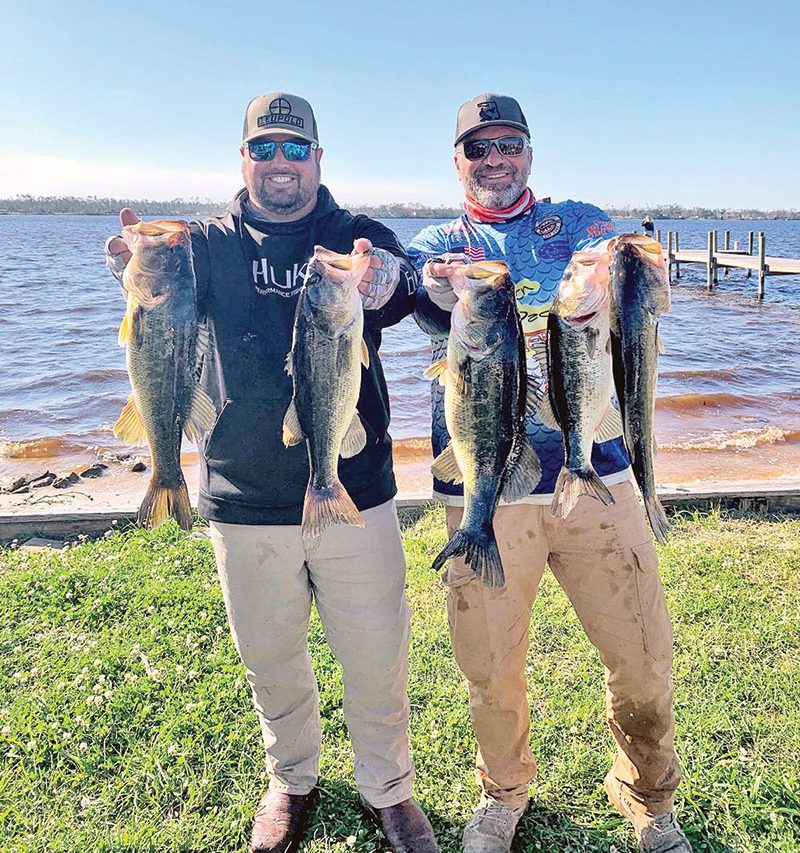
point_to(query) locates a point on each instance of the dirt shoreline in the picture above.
(121, 490)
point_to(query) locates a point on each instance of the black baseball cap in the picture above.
(487, 110)
(279, 112)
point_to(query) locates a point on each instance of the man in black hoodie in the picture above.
(250, 264)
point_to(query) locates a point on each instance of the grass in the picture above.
(126, 725)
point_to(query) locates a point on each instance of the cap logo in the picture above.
(281, 107)
(488, 111)
(280, 112)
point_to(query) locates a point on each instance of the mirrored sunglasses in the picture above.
(508, 146)
(294, 151)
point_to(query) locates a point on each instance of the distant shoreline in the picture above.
(92, 206)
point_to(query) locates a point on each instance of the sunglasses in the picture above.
(508, 146)
(295, 152)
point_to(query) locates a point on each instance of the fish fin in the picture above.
(163, 502)
(289, 366)
(570, 485)
(610, 426)
(364, 353)
(292, 431)
(324, 507)
(446, 468)
(546, 414)
(462, 378)
(201, 349)
(130, 426)
(125, 327)
(657, 518)
(591, 345)
(438, 370)
(131, 328)
(355, 439)
(524, 477)
(660, 344)
(534, 394)
(202, 415)
(480, 553)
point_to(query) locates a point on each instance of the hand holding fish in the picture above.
(117, 251)
(443, 279)
(381, 276)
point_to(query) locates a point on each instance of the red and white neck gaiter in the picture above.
(477, 211)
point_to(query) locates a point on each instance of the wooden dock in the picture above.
(728, 257)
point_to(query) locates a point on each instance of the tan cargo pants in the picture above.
(605, 561)
(357, 579)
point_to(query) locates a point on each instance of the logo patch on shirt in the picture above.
(558, 251)
(548, 227)
(475, 253)
(598, 228)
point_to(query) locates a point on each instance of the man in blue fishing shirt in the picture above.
(602, 556)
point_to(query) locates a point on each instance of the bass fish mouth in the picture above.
(169, 232)
(648, 249)
(339, 268)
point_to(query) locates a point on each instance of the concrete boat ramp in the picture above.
(52, 526)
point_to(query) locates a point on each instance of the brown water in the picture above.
(728, 403)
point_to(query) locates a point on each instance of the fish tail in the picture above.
(657, 517)
(161, 502)
(570, 485)
(480, 552)
(326, 506)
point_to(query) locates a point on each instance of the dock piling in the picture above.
(726, 243)
(749, 250)
(762, 264)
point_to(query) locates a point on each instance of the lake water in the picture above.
(728, 394)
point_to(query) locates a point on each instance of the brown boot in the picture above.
(279, 822)
(404, 826)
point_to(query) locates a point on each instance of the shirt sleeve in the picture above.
(593, 227)
(200, 262)
(402, 301)
(428, 244)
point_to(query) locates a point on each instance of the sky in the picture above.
(628, 103)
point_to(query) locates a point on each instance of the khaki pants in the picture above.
(605, 561)
(357, 579)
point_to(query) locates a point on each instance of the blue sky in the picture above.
(692, 103)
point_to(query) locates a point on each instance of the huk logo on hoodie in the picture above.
(286, 284)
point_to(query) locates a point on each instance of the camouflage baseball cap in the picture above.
(279, 112)
(487, 110)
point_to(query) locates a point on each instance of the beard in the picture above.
(293, 197)
(497, 198)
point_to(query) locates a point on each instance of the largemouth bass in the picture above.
(328, 350)
(580, 380)
(160, 332)
(639, 296)
(485, 402)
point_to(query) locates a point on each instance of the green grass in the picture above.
(126, 724)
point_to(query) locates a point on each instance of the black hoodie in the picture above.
(249, 275)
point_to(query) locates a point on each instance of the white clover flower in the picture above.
(172, 749)
(83, 746)
(86, 803)
(238, 684)
(350, 840)
(17, 649)
(31, 744)
(6, 730)
(98, 662)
